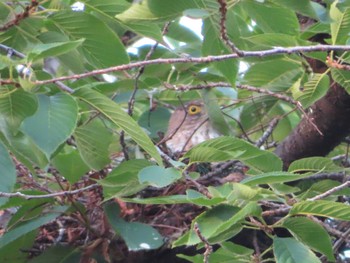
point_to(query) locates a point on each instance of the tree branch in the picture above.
(63, 193)
(330, 191)
(208, 59)
(223, 30)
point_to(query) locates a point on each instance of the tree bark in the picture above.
(331, 115)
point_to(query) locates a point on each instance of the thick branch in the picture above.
(331, 115)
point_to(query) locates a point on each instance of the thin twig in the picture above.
(131, 101)
(193, 132)
(227, 85)
(218, 170)
(21, 16)
(335, 64)
(272, 125)
(223, 29)
(165, 157)
(332, 230)
(202, 189)
(63, 193)
(244, 134)
(142, 70)
(276, 212)
(207, 59)
(123, 145)
(169, 136)
(341, 240)
(208, 247)
(330, 191)
(12, 52)
(332, 176)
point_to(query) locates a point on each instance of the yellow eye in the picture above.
(193, 109)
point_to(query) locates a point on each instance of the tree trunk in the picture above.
(331, 115)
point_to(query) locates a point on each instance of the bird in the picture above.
(188, 126)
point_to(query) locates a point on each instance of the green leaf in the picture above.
(216, 117)
(342, 77)
(58, 254)
(93, 140)
(272, 178)
(196, 13)
(70, 165)
(53, 123)
(106, 7)
(155, 121)
(251, 209)
(120, 118)
(191, 197)
(8, 173)
(102, 47)
(40, 51)
(123, 180)
(313, 164)
(16, 106)
(322, 208)
(182, 33)
(23, 147)
(320, 187)
(208, 223)
(229, 148)
(11, 252)
(301, 6)
(272, 18)
(291, 251)
(270, 40)
(25, 228)
(276, 74)
(158, 176)
(166, 200)
(137, 236)
(150, 30)
(212, 45)
(304, 229)
(160, 10)
(340, 26)
(313, 90)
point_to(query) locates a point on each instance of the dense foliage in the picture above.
(85, 174)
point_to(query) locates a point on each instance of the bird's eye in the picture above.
(194, 110)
